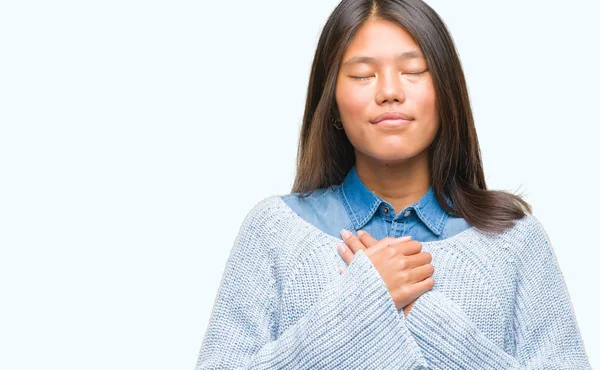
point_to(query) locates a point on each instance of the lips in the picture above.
(391, 116)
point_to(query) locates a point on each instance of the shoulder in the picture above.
(535, 240)
(323, 208)
(273, 229)
(525, 229)
(528, 230)
(258, 234)
(264, 212)
(313, 203)
(276, 214)
(527, 238)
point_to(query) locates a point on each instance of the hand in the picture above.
(405, 270)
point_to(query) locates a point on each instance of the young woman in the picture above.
(389, 160)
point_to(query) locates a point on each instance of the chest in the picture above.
(481, 282)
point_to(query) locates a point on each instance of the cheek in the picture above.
(425, 100)
(352, 102)
(428, 115)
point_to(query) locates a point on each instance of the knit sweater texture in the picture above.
(499, 302)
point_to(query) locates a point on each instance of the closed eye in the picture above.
(416, 73)
(360, 78)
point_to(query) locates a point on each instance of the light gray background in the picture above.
(136, 135)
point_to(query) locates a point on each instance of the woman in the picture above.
(389, 160)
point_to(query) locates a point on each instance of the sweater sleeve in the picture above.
(353, 324)
(545, 327)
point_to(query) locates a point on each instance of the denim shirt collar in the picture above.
(361, 204)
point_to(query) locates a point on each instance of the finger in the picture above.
(411, 247)
(369, 241)
(402, 239)
(422, 286)
(417, 289)
(346, 253)
(352, 241)
(418, 259)
(390, 241)
(421, 273)
(366, 238)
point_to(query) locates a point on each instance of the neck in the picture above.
(400, 183)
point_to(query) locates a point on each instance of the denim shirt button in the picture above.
(407, 213)
(386, 210)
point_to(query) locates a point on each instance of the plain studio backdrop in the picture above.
(135, 136)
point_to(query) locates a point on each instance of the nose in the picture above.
(389, 88)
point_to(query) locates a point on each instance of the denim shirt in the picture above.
(353, 206)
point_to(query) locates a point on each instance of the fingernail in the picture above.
(360, 232)
(346, 234)
(407, 237)
(341, 247)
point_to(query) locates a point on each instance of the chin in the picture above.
(393, 156)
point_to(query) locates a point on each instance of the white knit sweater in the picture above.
(499, 302)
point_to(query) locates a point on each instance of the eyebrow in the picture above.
(364, 59)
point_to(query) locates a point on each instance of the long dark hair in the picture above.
(325, 155)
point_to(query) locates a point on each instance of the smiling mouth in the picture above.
(397, 122)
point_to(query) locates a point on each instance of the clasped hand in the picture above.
(405, 269)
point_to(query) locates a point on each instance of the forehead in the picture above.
(381, 39)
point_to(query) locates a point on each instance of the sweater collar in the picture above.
(361, 204)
